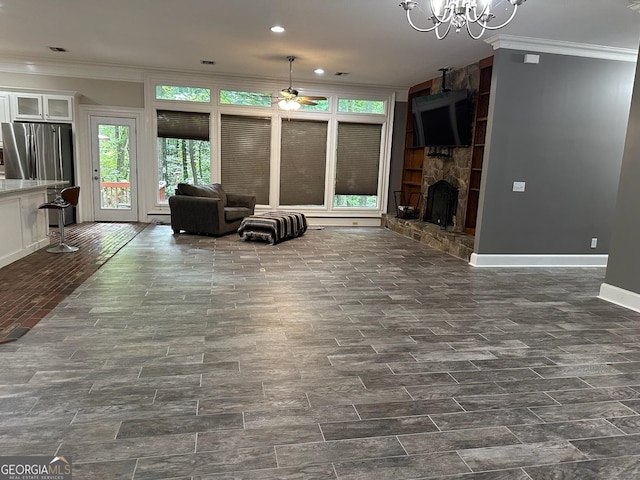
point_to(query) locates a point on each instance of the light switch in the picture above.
(518, 186)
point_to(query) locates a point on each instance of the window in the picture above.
(233, 97)
(184, 152)
(245, 152)
(183, 94)
(346, 105)
(303, 156)
(358, 159)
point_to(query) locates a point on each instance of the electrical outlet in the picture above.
(518, 186)
(594, 242)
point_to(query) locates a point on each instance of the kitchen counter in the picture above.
(14, 186)
(25, 228)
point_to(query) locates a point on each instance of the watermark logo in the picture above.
(35, 468)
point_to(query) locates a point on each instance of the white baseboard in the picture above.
(343, 222)
(492, 260)
(619, 296)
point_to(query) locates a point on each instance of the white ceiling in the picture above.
(369, 39)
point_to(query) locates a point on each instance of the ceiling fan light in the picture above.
(288, 104)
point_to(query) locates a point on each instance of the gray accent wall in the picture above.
(397, 153)
(623, 268)
(560, 127)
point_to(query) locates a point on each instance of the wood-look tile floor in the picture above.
(348, 353)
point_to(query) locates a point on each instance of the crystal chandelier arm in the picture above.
(489, 27)
(415, 27)
(446, 32)
(474, 17)
(447, 11)
(475, 37)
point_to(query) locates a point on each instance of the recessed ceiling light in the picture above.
(277, 29)
(207, 62)
(318, 71)
(57, 49)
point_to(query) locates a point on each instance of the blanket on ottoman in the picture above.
(273, 226)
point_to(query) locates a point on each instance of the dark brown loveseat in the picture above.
(208, 209)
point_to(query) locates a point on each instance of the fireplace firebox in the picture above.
(442, 201)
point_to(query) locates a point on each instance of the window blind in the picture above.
(358, 158)
(245, 148)
(303, 154)
(186, 125)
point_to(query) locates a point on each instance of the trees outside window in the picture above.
(114, 152)
(184, 150)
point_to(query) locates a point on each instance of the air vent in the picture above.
(207, 62)
(341, 74)
(57, 49)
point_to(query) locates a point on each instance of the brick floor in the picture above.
(34, 285)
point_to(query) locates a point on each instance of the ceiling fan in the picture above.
(289, 98)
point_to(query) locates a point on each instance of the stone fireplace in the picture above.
(443, 166)
(454, 167)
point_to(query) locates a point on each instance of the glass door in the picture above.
(115, 191)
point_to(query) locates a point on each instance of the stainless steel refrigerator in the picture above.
(42, 151)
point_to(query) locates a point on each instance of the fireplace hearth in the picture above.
(442, 201)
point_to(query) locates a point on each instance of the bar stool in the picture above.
(68, 198)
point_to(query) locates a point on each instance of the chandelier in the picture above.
(460, 14)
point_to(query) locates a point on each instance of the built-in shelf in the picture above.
(481, 118)
(413, 156)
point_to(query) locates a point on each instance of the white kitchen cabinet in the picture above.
(43, 108)
(27, 106)
(58, 108)
(5, 115)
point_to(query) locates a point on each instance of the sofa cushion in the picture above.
(231, 214)
(211, 191)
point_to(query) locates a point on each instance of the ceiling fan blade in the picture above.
(311, 97)
(305, 101)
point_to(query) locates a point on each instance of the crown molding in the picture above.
(123, 73)
(563, 48)
(38, 66)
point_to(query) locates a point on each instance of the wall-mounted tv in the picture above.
(442, 120)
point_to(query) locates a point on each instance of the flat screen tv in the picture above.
(442, 120)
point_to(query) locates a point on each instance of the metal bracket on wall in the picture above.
(441, 152)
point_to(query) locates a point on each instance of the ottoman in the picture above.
(273, 226)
